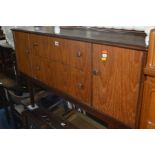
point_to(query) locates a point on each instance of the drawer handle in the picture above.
(78, 54)
(80, 85)
(35, 44)
(38, 68)
(56, 43)
(95, 72)
(63, 124)
(27, 51)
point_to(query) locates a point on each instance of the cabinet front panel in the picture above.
(69, 80)
(22, 52)
(116, 82)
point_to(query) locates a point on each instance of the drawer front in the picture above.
(73, 53)
(39, 69)
(69, 80)
(39, 45)
(79, 85)
(58, 76)
(79, 54)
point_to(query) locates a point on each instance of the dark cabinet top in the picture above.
(120, 38)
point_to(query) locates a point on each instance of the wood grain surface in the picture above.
(23, 52)
(116, 85)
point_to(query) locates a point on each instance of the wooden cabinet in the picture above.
(116, 82)
(23, 52)
(111, 86)
(148, 106)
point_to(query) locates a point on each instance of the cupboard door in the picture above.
(80, 85)
(116, 82)
(22, 52)
(148, 105)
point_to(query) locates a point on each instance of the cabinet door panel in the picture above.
(22, 52)
(116, 82)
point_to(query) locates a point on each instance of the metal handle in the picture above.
(27, 51)
(35, 44)
(95, 72)
(78, 54)
(38, 68)
(80, 85)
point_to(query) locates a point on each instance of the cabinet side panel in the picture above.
(22, 52)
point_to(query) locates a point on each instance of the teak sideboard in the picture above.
(101, 71)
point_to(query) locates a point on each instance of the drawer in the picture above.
(79, 85)
(40, 68)
(58, 76)
(39, 45)
(73, 53)
(56, 50)
(69, 80)
(79, 54)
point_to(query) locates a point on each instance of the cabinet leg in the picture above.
(32, 92)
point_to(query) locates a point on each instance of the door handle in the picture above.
(95, 72)
(80, 85)
(78, 54)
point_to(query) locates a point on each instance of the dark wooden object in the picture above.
(108, 89)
